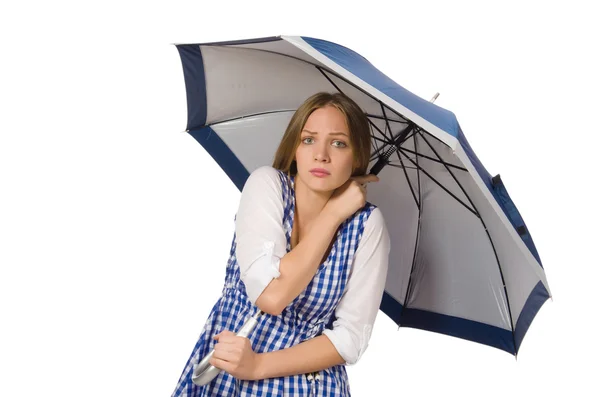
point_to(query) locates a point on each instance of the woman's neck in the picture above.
(309, 203)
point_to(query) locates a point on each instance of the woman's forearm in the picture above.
(312, 355)
(297, 268)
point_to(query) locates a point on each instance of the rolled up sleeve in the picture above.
(359, 305)
(260, 236)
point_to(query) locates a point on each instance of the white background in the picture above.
(115, 226)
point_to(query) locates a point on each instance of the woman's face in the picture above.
(325, 143)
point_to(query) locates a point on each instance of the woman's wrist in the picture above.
(331, 217)
(259, 368)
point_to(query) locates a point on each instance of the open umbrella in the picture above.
(462, 261)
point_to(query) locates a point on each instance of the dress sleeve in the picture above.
(358, 307)
(260, 236)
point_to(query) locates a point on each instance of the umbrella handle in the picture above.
(204, 372)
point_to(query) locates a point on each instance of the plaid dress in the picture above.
(303, 319)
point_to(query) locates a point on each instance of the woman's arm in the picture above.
(274, 277)
(312, 355)
(355, 313)
(357, 310)
(298, 267)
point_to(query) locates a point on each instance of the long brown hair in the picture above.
(358, 124)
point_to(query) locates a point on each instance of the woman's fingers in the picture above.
(221, 364)
(363, 179)
(226, 353)
(224, 335)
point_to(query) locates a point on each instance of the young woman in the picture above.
(311, 253)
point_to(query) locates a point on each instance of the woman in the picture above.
(311, 253)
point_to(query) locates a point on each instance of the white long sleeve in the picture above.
(260, 236)
(358, 307)
(261, 243)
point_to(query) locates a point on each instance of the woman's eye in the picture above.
(335, 143)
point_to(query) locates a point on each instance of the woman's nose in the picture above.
(321, 152)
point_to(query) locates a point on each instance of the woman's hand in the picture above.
(234, 355)
(349, 197)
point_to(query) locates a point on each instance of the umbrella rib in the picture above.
(442, 186)
(249, 115)
(432, 159)
(382, 140)
(417, 237)
(387, 123)
(380, 132)
(433, 136)
(385, 118)
(374, 144)
(418, 174)
(402, 166)
(408, 180)
(390, 143)
(410, 135)
(378, 151)
(331, 81)
(491, 242)
(449, 171)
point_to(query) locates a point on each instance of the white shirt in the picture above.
(261, 243)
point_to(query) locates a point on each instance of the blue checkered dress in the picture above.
(302, 319)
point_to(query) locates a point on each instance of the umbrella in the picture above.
(462, 261)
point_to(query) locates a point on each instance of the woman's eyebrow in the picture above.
(331, 133)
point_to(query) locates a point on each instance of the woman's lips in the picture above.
(319, 174)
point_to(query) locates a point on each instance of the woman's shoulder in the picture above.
(266, 170)
(265, 174)
(368, 209)
(371, 215)
(265, 180)
(374, 224)
(374, 214)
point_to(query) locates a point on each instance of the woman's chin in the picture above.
(322, 186)
(322, 190)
